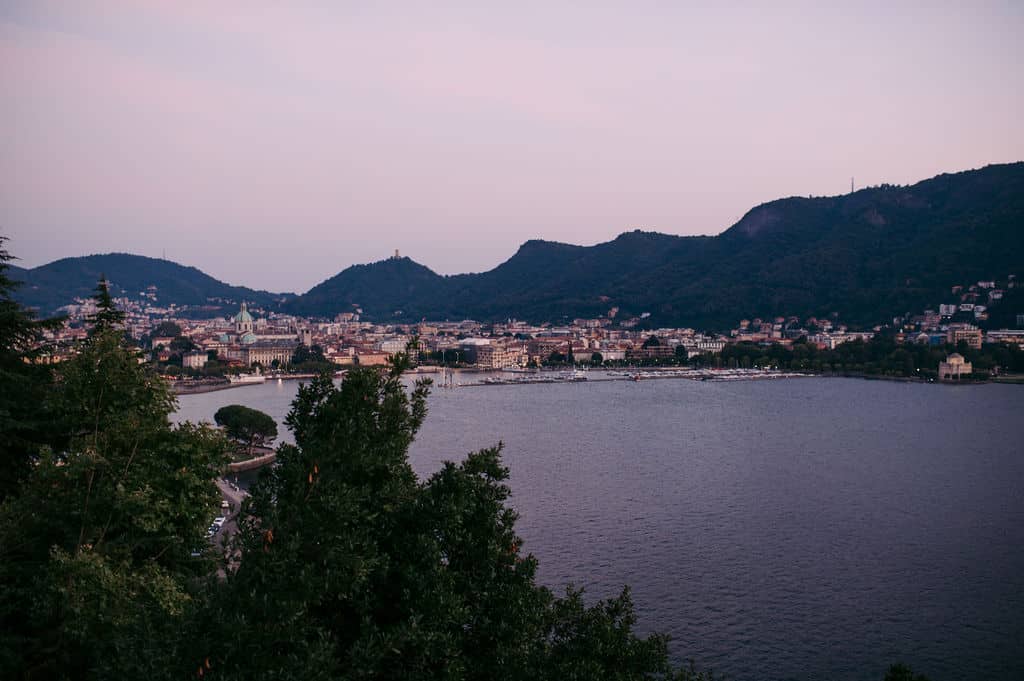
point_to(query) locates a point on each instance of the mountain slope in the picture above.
(867, 256)
(51, 286)
(552, 281)
(382, 288)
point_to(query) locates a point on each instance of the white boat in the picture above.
(242, 379)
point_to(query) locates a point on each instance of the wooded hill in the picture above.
(866, 256)
(51, 286)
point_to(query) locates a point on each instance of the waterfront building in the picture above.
(651, 352)
(392, 345)
(967, 333)
(954, 367)
(265, 354)
(265, 348)
(194, 360)
(372, 358)
(1008, 336)
(491, 355)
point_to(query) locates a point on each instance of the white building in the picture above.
(194, 360)
(954, 367)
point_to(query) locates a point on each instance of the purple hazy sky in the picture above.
(273, 144)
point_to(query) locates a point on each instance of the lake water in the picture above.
(814, 528)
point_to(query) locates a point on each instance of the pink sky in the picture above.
(273, 144)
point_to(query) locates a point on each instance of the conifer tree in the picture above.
(107, 315)
(96, 550)
(23, 424)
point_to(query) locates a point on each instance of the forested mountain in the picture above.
(382, 289)
(867, 256)
(50, 286)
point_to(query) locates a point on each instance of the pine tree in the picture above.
(107, 315)
(23, 424)
(96, 562)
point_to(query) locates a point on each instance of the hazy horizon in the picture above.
(275, 146)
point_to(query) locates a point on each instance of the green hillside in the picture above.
(51, 286)
(383, 289)
(867, 256)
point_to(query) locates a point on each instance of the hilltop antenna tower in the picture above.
(851, 184)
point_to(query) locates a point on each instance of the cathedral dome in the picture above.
(243, 316)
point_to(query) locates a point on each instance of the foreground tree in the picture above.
(96, 551)
(355, 569)
(23, 425)
(247, 427)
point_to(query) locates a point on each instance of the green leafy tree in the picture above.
(307, 355)
(556, 358)
(182, 344)
(166, 329)
(246, 426)
(355, 569)
(96, 561)
(24, 425)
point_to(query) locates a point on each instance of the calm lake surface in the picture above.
(815, 528)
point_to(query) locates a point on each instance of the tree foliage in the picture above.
(246, 426)
(24, 426)
(356, 569)
(95, 547)
(879, 356)
(166, 329)
(107, 316)
(311, 357)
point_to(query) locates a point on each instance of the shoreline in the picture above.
(197, 387)
(651, 373)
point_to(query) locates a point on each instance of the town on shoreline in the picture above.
(245, 346)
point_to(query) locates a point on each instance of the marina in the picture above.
(577, 376)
